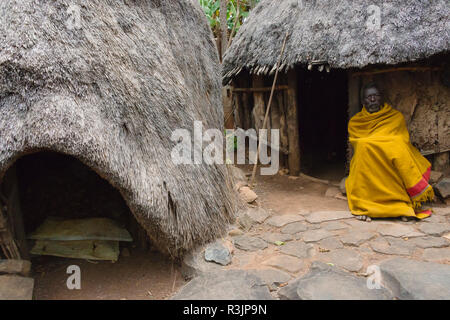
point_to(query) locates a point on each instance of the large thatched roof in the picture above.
(110, 91)
(340, 32)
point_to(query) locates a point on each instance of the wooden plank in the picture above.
(292, 123)
(259, 104)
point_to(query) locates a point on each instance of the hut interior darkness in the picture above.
(49, 184)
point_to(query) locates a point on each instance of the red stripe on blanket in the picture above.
(421, 185)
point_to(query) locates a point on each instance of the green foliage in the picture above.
(212, 9)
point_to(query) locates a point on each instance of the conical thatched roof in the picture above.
(110, 91)
(343, 33)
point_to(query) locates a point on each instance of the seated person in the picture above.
(388, 175)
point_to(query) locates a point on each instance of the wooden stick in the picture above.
(238, 11)
(268, 107)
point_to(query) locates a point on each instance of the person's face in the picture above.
(372, 100)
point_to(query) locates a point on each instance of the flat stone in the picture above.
(217, 252)
(431, 242)
(257, 215)
(344, 258)
(331, 244)
(273, 278)
(225, 285)
(398, 230)
(316, 235)
(272, 237)
(334, 225)
(443, 187)
(247, 194)
(332, 192)
(437, 255)
(442, 211)
(324, 282)
(286, 263)
(357, 238)
(248, 243)
(322, 216)
(298, 249)
(416, 280)
(435, 218)
(12, 266)
(435, 229)
(14, 287)
(193, 264)
(282, 220)
(293, 228)
(435, 176)
(392, 246)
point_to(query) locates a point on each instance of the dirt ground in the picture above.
(143, 275)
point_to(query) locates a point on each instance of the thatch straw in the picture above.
(110, 93)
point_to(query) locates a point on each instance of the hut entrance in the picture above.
(323, 118)
(47, 184)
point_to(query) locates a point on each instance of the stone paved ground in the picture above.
(289, 241)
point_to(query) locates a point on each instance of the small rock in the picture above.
(344, 258)
(332, 192)
(435, 229)
(443, 187)
(13, 287)
(416, 280)
(437, 255)
(322, 216)
(435, 176)
(257, 215)
(282, 220)
(12, 266)
(247, 194)
(235, 232)
(271, 237)
(286, 263)
(357, 238)
(298, 249)
(293, 228)
(342, 186)
(225, 285)
(217, 252)
(193, 264)
(249, 243)
(316, 235)
(273, 278)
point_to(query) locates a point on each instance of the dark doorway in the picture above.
(323, 118)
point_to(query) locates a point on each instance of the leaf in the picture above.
(279, 243)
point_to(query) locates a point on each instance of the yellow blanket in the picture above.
(388, 176)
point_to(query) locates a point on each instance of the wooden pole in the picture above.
(268, 108)
(238, 12)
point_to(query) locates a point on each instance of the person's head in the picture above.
(372, 97)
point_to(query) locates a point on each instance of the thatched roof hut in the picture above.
(333, 48)
(107, 82)
(343, 34)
